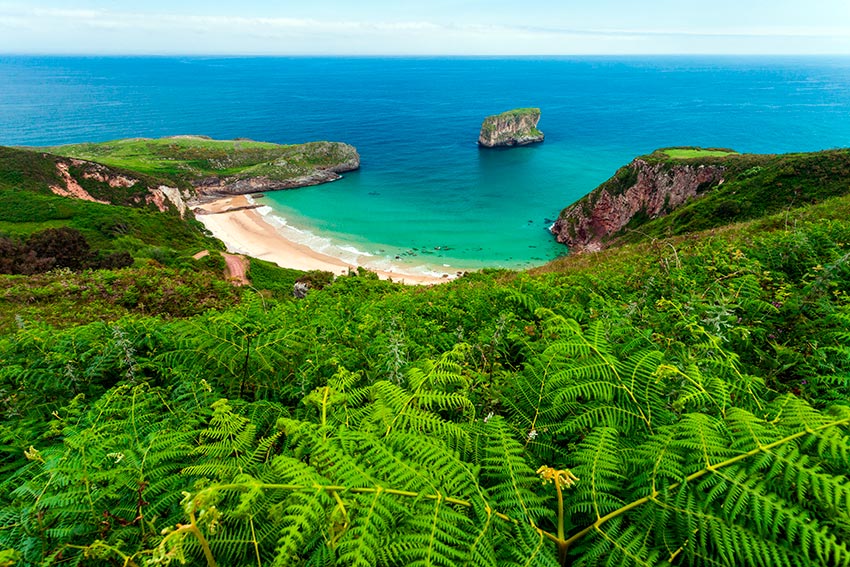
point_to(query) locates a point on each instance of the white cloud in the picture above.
(14, 22)
(39, 28)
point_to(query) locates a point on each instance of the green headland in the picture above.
(188, 158)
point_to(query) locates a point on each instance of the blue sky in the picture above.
(425, 27)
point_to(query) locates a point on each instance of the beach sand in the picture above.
(244, 231)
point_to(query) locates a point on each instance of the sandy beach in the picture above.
(236, 222)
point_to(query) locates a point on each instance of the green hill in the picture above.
(121, 201)
(758, 185)
(684, 190)
(189, 160)
(121, 217)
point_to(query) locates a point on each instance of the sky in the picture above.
(424, 27)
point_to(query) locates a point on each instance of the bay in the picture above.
(426, 194)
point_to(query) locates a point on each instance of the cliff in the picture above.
(89, 181)
(214, 168)
(304, 165)
(638, 192)
(513, 128)
(679, 191)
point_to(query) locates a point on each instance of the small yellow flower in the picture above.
(33, 454)
(564, 477)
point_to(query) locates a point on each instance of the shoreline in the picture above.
(237, 222)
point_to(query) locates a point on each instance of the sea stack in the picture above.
(516, 127)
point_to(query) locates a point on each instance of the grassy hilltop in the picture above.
(683, 399)
(188, 158)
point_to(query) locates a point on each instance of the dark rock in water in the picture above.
(512, 128)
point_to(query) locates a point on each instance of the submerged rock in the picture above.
(512, 128)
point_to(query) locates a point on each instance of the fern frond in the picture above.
(509, 479)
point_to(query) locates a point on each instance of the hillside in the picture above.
(39, 190)
(36, 171)
(124, 204)
(81, 241)
(683, 400)
(683, 190)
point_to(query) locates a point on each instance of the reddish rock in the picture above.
(640, 188)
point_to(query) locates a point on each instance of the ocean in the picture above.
(426, 195)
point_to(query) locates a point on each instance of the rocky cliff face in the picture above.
(512, 128)
(90, 181)
(283, 174)
(640, 190)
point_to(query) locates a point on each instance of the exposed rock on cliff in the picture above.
(312, 164)
(95, 182)
(513, 128)
(639, 191)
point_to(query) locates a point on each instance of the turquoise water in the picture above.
(426, 193)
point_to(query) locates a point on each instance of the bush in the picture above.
(66, 246)
(112, 261)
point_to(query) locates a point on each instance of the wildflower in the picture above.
(564, 477)
(33, 454)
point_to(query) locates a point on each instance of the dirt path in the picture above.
(237, 268)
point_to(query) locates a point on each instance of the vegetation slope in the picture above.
(674, 401)
(164, 278)
(753, 186)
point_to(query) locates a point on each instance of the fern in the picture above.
(634, 416)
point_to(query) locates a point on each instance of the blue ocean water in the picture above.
(426, 193)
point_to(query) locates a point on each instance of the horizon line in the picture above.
(411, 55)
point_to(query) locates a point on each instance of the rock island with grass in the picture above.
(516, 127)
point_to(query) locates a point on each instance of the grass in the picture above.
(518, 113)
(693, 153)
(24, 212)
(184, 159)
(63, 298)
